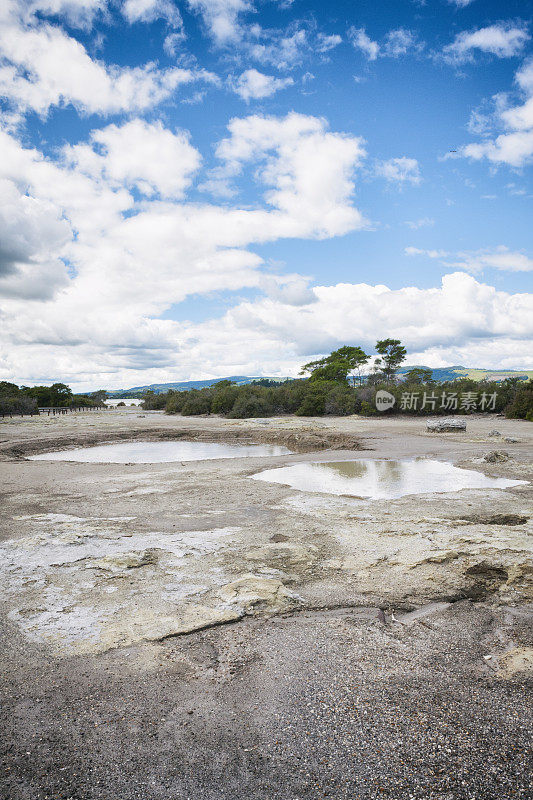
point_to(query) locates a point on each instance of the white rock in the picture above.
(445, 424)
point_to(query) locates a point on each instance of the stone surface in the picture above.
(495, 456)
(445, 424)
(252, 593)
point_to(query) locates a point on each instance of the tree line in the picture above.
(335, 385)
(28, 399)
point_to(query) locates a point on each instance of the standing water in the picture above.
(381, 479)
(161, 452)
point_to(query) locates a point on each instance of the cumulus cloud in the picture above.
(221, 17)
(286, 148)
(80, 220)
(399, 170)
(150, 10)
(78, 13)
(502, 39)
(33, 75)
(255, 85)
(500, 258)
(149, 157)
(514, 146)
(32, 236)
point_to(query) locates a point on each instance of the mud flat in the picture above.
(175, 630)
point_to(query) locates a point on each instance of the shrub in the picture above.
(252, 405)
(197, 402)
(521, 406)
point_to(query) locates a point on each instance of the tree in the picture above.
(337, 366)
(60, 394)
(99, 397)
(419, 375)
(393, 354)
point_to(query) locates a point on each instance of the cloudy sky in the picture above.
(199, 188)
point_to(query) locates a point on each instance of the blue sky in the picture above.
(196, 188)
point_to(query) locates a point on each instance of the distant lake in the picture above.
(129, 401)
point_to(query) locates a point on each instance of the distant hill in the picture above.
(440, 374)
(454, 373)
(135, 391)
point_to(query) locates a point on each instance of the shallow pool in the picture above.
(161, 452)
(381, 479)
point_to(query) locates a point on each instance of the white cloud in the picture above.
(308, 169)
(503, 40)
(129, 260)
(460, 3)
(361, 41)
(399, 170)
(500, 258)
(150, 10)
(78, 13)
(32, 234)
(283, 51)
(398, 42)
(256, 85)
(148, 157)
(515, 145)
(33, 75)
(221, 17)
(326, 42)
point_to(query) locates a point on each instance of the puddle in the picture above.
(381, 479)
(161, 452)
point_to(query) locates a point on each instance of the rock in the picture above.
(123, 561)
(446, 424)
(511, 440)
(150, 626)
(251, 593)
(282, 554)
(494, 433)
(495, 456)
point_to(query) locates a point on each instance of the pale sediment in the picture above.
(96, 556)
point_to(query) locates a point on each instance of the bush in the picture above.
(521, 406)
(155, 402)
(251, 405)
(197, 402)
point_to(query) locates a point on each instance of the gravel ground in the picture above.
(335, 704)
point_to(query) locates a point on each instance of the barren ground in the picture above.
(179, 631)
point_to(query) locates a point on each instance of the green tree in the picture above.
(337, 366)
(392, 355)
(419, 375)
(99, 397)
(60, 394)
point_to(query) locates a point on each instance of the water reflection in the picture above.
(381, 479)
(162, 452)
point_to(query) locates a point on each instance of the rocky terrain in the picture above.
(181, 630)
